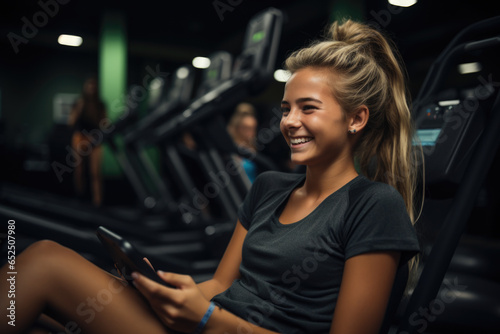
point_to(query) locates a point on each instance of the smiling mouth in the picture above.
(300, 140)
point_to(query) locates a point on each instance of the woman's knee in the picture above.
(46, 252)
(45, 246)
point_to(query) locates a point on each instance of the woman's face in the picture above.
(313, 123)
(247, 128)
(90, 87)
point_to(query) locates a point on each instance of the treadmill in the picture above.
(190, 251)
(457, 120)
(178, 158)
(136, 163)
(252, 71)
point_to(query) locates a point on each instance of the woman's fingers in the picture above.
(149, 263)
(181, 308)
(153, 291)
(180, 281)
(150, 289)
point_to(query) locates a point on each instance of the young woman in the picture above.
(311, 253)
(242, 127)
(85, 117)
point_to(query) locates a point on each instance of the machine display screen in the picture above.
(258, 36)
(427, 137)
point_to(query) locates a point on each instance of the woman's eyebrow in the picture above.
(303, 99)
(308, 99)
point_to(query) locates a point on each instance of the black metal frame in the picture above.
(455, 222)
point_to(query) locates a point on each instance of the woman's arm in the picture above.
(229, 267)
(223, 321)
(364, 292)
(75, 112)
(183, 308)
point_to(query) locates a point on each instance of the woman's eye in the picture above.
(285, 110)
(309, 107)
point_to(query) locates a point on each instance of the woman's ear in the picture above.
(359, 119)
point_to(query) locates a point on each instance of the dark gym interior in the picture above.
(169, 182)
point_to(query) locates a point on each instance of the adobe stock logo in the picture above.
(222, 6)
(29, 29)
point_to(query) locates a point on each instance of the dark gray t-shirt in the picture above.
(291, 274)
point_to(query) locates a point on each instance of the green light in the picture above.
(258, 36)
(112, 77)
(212, 74)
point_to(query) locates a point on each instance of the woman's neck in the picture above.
(321, 181)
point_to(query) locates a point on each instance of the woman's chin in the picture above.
(299, 162)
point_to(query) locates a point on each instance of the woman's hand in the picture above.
(180, 309)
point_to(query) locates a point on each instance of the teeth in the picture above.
(301, 140)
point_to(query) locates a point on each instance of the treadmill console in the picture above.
(448, 132)
(260, 47)
(218, 72)
(182, 86)
(251, 73)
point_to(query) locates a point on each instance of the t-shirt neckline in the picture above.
(280, 207)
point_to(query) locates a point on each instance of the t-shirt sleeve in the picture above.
(246, 209)
(378, 221)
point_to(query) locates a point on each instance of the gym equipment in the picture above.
(460, 141)
(177, 173)
(136, 164)
(197, 159)
(253, 69)
(164, 248)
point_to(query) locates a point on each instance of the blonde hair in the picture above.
(368, 72)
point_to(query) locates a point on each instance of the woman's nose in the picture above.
(292, 120)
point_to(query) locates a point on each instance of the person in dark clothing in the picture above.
(85, 118)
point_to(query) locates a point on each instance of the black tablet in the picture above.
(126, 257)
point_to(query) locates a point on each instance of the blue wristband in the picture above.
(205, 318)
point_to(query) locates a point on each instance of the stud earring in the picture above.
(353, 131)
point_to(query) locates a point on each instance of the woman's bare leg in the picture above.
(95, 174)
(78, 173)
(47, 325)
(79, 295)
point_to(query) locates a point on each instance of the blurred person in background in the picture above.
(85, 118)
(243, 129)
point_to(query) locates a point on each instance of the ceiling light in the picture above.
(469, 68)
(70, 40)
(402, 3)
(182, 73)
(282, 75)
(201, 62)
(156, 83)
(448, 103)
